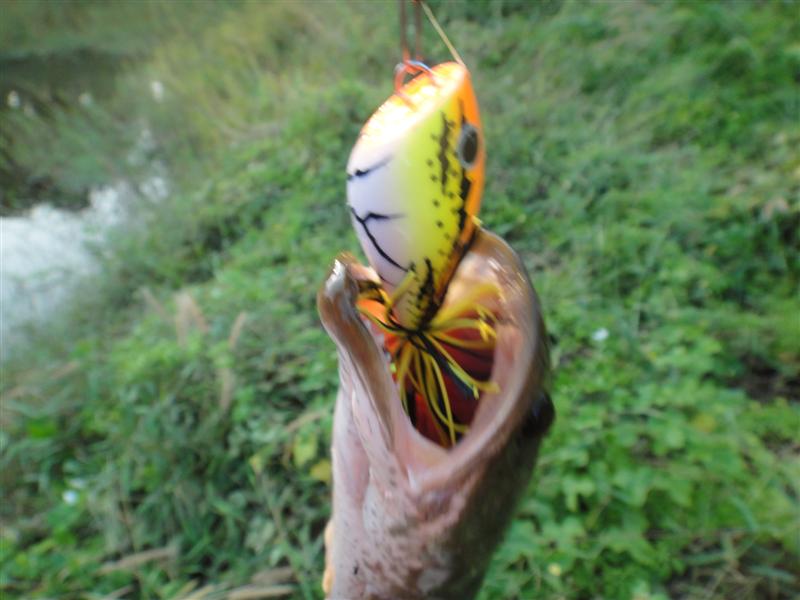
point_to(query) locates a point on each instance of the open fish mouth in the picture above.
(412, 519)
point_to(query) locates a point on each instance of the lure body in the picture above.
(414, 184)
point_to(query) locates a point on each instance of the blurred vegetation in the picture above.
(56, 57)
(169, 435)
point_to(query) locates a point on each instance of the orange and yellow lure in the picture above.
(414, 184)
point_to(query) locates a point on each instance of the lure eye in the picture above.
(467, 147)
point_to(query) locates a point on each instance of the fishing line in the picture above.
(440, 31)
(416, 65)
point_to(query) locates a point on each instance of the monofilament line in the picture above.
(442, 34)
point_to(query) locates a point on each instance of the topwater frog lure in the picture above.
(414, 183)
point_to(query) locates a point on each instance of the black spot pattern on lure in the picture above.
(426, 294)
(413, 308)
(444, 163)
(427, 286)
(441, 171)
(421, 292)
(466, 184)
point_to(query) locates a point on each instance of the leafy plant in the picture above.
(169, 434)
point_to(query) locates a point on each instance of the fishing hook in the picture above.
(416, 65)
(417, 33)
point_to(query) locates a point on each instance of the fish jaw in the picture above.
(411, 519)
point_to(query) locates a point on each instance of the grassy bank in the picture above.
(171, 432)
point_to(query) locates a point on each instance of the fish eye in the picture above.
(467, 147)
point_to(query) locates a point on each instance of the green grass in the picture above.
(643, 160)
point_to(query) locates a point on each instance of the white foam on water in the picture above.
(44, 252)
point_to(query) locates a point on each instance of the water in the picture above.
(46, 252)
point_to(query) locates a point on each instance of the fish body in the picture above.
(412, 520)
(414, 185)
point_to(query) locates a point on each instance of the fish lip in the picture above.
(384, 427)
(426, 468)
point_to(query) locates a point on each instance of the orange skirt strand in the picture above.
(442, 368)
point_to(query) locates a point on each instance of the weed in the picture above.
(169, 435)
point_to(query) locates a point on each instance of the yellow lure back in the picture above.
(414, 184)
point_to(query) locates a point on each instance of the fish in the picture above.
(415, 179)
(412, 519)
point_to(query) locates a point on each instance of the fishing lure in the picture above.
(414, 183)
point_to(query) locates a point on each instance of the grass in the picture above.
(170, 433)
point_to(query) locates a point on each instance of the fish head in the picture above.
(414, 184)
(412, 519)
